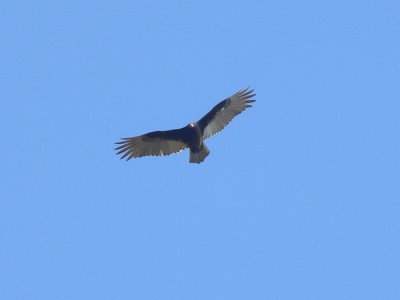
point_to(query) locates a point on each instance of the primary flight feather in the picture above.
(192, 136)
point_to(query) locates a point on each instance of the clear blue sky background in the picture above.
(299, 198)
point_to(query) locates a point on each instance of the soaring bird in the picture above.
(192, 136)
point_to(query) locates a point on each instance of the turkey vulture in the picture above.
(158, 143)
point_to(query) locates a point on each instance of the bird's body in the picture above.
(195, 137)
(191, 136)
(198, 150)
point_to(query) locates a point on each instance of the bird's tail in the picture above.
(198, 157)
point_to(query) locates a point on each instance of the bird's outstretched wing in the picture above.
(154, 143)
(220, 116)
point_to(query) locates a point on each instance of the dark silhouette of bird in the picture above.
(192, 136)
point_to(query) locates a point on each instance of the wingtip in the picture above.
(246, 93)
(122, 141)
(243, 90)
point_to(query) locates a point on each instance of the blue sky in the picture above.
(299, 198)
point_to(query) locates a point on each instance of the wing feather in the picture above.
(223, 113)
(156, 143)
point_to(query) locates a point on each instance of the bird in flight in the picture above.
(192, 136)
